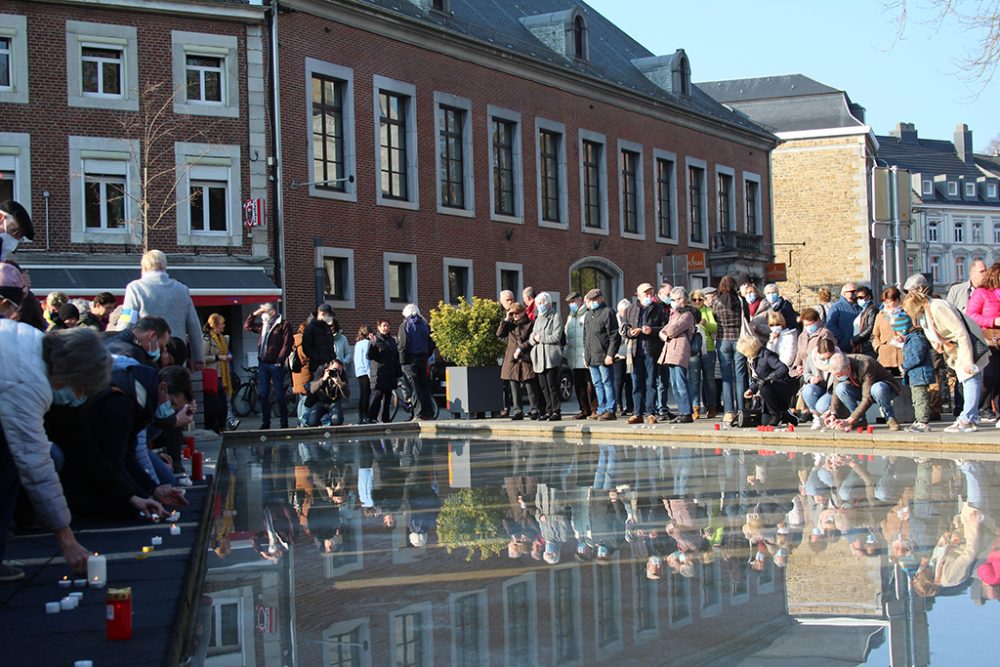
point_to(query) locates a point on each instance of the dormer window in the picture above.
(970, 189)
(564, 32)
(991, 190)
(680, 73)
(579, 38)
(928, 188)
(952, 189)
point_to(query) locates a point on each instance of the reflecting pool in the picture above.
(410, 551)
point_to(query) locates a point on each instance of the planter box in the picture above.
(469, 390)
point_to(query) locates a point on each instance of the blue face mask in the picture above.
(66, 396)
(593, 305)
(646, 300)
(751, 297)
(543, 308)
(772, 297)
(812, 328)
(573, 307)
(841, 378)
(164, 410)
(667, 301)
(862, 303)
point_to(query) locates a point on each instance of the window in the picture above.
(13, 59)
(452, 170)
(105, 190)
(510, 277)
(959, 232)
(457, 280)
(15, 168)
(206, 74)
(469, 628)
(960, 273)
(344, 649)
(680, 599)
(724, 201)
(696, 203)
(970, 190)
(225, 632)
(395, 143)
(7, 186)
(593, 183)
(608, 603)
(519, 626)
(411, 636)
(579, 38)
(751, 198)
(996, 232)
(551, 173)
(631, 189)
(952, 189)
(330, 113)
(505, 165)
(209, 200)
(711, 589)
(935, 270)
(928, 188)
(337, 266)
(566, 615)
(205, 79)
(646, 611)
(991, 190)
(932, 231)
(977, 232)
(400, 279)
(665, 189)
(102, 66)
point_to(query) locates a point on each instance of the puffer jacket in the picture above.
(677, 338)
(25, 397)
(545, 335)
(916, 362)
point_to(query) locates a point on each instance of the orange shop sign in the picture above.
(696, 260)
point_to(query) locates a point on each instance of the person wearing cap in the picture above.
(601, 342)
(16, 226)
(318, 343)
(643, 321)
(576, 357)
(840, 319)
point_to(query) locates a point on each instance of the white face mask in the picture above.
(265, 318)
(9, 244)
(776, 329)
(328, 319)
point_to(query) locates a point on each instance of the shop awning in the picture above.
(210, 286)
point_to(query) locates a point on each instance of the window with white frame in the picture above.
(469, 628)
(395, 143)
(106, 190)
(506, 180)
(977, 232)
(960, 268)
(666, 196)
(996, 232)
(970, 190)
(679, 599)
(206, 74)
(566, 622)
(399, 275)
(337, 266)
(593, 182)
(13, 59)
(952, 189)
(457, 280)
(331, 149)
(991, 190)
(209, 199)
(453, 128)
(347, 644)
(224, 637)
(959, 231)
(205, 82)
(752, 204)
(411, 636)
(631, 189)
(697, 201)
(936, 269)
(927, 187)
(102, 66)
(725, 198)
(15, 167)
(550, 146)
(608, 612)
(932, 230)
(520, 621)
(510, 277)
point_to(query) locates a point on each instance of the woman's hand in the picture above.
(148, 505)
(748, 394)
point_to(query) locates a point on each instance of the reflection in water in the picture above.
(406, 551)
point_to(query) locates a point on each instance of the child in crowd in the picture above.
(919, 373)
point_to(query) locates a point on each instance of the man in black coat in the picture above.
(601, 341)
(643, 321)
(318, 343)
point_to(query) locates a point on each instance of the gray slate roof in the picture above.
(787, 103)
(990, 163)
(932, 157)
(497, 22)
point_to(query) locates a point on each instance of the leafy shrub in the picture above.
(466, 334)
(472, 519)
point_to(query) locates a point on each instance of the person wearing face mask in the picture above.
(783, 339)
(864, 324)
(16, 227)
(841, 316)
(576, 357)
(643, 321)
(142, 342)
(318, 342)
(274, 344)
(860, 381)
(887, 339)
(546, 354)
(730, 311)
(813, 332)
(768, 377)
(779, 304)
(36, 371)
(600, 343)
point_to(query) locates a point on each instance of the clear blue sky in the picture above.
(848, 44)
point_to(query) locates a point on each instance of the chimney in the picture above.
(963, 142)
(905, 132)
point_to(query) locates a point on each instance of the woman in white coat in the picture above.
(546, 354)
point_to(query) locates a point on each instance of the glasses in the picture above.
(697, 299)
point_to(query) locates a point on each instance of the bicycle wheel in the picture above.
(245, 400)
(394, 403)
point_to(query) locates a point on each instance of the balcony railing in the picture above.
(738, 242)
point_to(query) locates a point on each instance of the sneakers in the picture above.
(728, 417)
(918, 427)
(183, 480)
(893, 424)
(817, 424)
(10, 572)
(961, 426)
(232, 424)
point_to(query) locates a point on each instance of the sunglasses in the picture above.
(697, 299)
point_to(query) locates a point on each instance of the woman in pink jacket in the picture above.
(984, 308)
(676, 354)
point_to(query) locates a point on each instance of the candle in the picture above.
(97, 570)
(76, 594)
(83, 663)
(175, 529)
(67, 603)
(157, 540)
(79, 583)
(174, 517)
(147, 549)
(65, 582)
(51, 607)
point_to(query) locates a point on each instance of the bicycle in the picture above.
(402, 397)
(246, 400)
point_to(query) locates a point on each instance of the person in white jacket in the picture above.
(37, 370)
(784, 339)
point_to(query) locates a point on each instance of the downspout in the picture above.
(277, 177)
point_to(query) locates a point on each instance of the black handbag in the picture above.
(750, 415)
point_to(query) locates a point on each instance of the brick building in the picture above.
(84, 87)
(821, 174)
(496, 146)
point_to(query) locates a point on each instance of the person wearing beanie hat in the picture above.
(16, 226)
(69, 316)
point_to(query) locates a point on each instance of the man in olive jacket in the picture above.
(601, 341)
(860, 381)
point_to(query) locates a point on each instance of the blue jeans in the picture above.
(606, 458)
(679, 384)
(741, 375)
(727, 351)
(662, 389)
(701, 379)
(271, 375)
(604, 387)
(816, 398)
(644, 384)
(972, 389)
(325, 414)
(882, 393)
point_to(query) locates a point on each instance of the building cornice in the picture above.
(984, 210)
(830, 132)
(400, 28)
(215, 11)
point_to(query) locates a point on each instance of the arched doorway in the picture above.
(596, 272)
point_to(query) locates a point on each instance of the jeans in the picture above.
(727, 350)
(816, 397)
(974, 476)
(271, 375)
(662, 389)
(971, 388)
(605, 388)
(679, 384)
(326, 414)
(741, 376)
(701, 379)
(882, 393)
(606, 458)
(644, 384)
(416, 373)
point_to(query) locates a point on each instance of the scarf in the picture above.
(220, 343)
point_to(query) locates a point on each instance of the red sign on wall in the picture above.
(254, 212)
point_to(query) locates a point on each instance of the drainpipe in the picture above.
(277, 182)
(45, 196)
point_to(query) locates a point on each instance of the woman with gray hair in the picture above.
(64, 368)
(622, 368)
(676, 354)
(546, 354)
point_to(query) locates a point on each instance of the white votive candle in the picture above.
(83, 663)
(76, 594)
(174, 517)
(51, 607)
(97, 570)
(80, 583)
(156, 541)
(67, 603)
(175, 529)
(65, 582)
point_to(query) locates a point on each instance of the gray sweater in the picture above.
(159, 295)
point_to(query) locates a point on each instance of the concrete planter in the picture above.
(470, 390)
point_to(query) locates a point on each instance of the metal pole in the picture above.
(278, 172)
(897, 242)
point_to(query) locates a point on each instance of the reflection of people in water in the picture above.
(553, 512)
